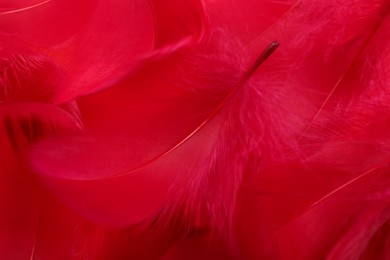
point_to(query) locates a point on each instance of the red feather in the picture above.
(329, 199)
(130, 125)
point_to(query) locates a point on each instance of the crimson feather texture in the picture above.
(331, 194)
(130, 125)
(146, 120)
(96, 48)
(55, 69)
(149, 151)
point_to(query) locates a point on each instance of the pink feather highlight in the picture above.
(131, 125)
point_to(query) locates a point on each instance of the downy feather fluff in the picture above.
(174, 134)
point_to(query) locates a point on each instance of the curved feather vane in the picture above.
(255, 16)
(104, 188)
(30, 212)
(94, 64)
(130, 125)
(350, 67)
(23, 9)
(91, 44)
(43, 23)
(22, 124)
(348, 183)
(332, 191)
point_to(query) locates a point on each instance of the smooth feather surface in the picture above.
(155, 124)
(149, 152)
(21, 203)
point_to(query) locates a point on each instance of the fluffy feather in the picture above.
(332, 192)
(152, 140)
(175, 141)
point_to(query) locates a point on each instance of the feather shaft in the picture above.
(260, 60)
(27, 8)
(340, 80)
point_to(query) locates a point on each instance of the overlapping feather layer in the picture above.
(158, 129)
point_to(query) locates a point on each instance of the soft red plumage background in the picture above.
(156, 129)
